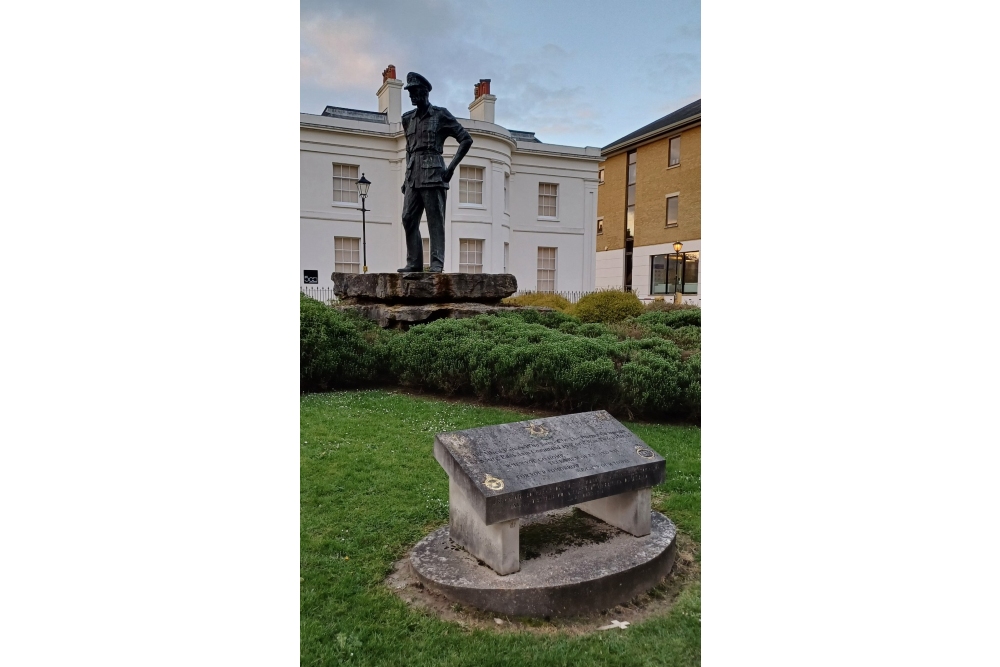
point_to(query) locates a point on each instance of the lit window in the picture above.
(345, 183)
(675, 151)
(600, 225)
(665, 277)
(546, 270)
(427, 251)
(347, 254)
(548, 197)
(470, 255)
(672, 203)
(470, 185)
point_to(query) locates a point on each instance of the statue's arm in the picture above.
(406, 122)
(461, 135)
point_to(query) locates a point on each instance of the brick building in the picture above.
(649, 196)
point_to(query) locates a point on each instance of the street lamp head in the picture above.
(677, 246)
(363, 184)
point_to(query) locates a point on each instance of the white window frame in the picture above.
(482, 186)
(554, 269)
(339, 252)
(540, 195)
(333, 181)
(506, 192)
(466, 252)
(600, 176)
(679, 160)
(666, 203)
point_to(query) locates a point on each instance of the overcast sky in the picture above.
(576, 72)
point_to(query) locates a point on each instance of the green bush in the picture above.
(608, 306)
(663, 305)
(338, 350)
(508, 359)
(552, 320)
(686, 338)
(673, 319)
(544, 299)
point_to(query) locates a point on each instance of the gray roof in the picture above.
(519, 135)
(356, 114)
(672, 118)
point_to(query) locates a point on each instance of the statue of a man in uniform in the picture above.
(426, 183)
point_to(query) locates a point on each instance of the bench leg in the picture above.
(495, 545)
(629, 511)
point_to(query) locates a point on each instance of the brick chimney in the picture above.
(482, 107)
(390, 95)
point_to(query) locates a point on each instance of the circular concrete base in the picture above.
(571, 564)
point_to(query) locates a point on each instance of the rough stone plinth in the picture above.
(591, 568)
(403, 316)
(420, 288)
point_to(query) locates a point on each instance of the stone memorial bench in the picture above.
(499, 474)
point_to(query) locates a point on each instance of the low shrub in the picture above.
(508, 359)
(550, 319)
(686, 338)
(608, 306)
(661, 305)
(338, 350)
(674, 318)
(544, 299)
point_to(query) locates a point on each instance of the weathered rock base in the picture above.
(571, 564)
(424, 287)
(403, 316)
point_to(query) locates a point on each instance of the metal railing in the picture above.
(321, 294)
(326, 294)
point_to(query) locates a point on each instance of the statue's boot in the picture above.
(410, 269)
(436, 269)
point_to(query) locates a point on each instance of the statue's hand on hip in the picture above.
(402, 188)
(448, 173)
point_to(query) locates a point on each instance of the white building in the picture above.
(516, 205)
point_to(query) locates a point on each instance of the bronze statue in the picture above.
(425, 186)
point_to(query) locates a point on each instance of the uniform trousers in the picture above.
(415, 201)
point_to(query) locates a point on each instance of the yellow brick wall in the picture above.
(611, 203)
(653, 182)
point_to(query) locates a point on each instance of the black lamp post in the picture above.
(363, 184)
(677, 272)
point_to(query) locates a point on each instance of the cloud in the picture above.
(338, 54)
(547, 81)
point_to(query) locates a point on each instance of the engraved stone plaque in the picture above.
(513, 470)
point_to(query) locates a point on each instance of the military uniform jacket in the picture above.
(424, 143)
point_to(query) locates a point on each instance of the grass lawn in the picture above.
(371, 489)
